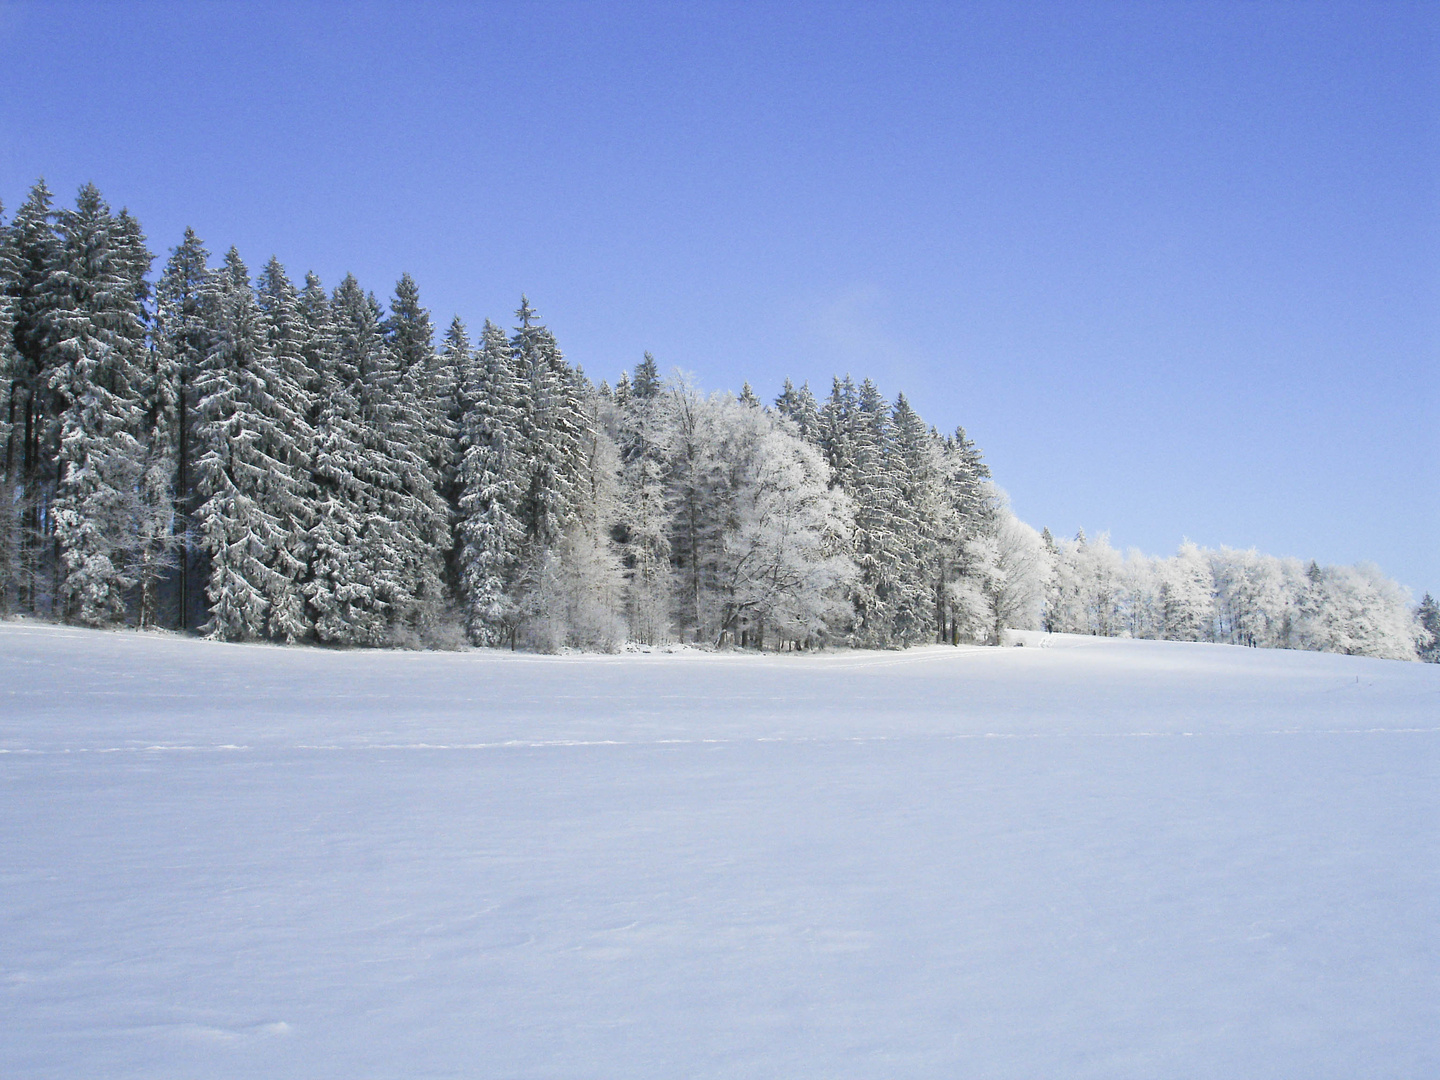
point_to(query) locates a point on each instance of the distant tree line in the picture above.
(1237, 597)
(256, 459)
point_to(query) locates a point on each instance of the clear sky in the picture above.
(1175, 267)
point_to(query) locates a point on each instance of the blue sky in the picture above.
(1175, 267)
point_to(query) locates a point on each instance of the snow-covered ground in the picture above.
(1078, 858)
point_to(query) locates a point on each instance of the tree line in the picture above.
(257, 459)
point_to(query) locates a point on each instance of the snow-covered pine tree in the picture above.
(457, 359)
(876, 548)
(643, 434)
(9, 372)
(417, 438)
(182, 339)
(971, 512)
(429, 381)
(551, 426)
(647, 383)
(33, 443)
(100, 327)
(1427, 619)
(340, 586)
(800, 406)
(235, 421)
(915, 466)
(491, 484)
(290, 381)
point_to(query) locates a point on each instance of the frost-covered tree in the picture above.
(491, 481)
(1187, 596)
(641, 425)
(1356, 610)
(182, 338)
(250, 471)
(1427, 619)
(920, 515)
(800, 407)
(99, 321)
(783, 561)
(9, 526)
(290, 382)
(1010, 571)
(413, 455)
(341, 589)
(237, 530)
(32, 446)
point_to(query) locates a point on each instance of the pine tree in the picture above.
(290, 381)
(183, 336)
(1427, 616)
(647, 383)
(643, 430)
(914, 466)
(100, 327)
(33, 444)
(458, 360)
(551, 426)
(251, 469)
(413, 428)
(237, 529)
(9, 380)
(800, 406)
(490, 481)
(340, 587)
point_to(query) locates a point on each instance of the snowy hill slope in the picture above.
(1084, 857)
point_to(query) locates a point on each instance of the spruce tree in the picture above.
(183, 336)
(236, 529)
(914, 470)
(290, 382)
(646, 383)
(9, 379)
(1427, 616)
(644, 438)
(100, 327)
(491, 486)
(800, 406)
(418, 437)
(340, 586)
(33, 444)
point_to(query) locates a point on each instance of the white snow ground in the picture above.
(1090, 859)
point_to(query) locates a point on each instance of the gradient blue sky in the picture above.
(1176, 267)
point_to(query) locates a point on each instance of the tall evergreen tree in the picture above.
(552, 425)
(98, 346)
(644, 438)
(183, 336)
(345, 589)
(491, 483)
(9, 524)
(236, 529)
(32, 447)
(915, 470)
(1427, 616)
(290, 382)
(249, 472)
(800, 406)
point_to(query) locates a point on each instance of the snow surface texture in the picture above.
(1091, 858)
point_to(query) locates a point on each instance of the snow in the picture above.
(1079, 858)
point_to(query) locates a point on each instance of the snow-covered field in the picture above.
(1079, 858)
